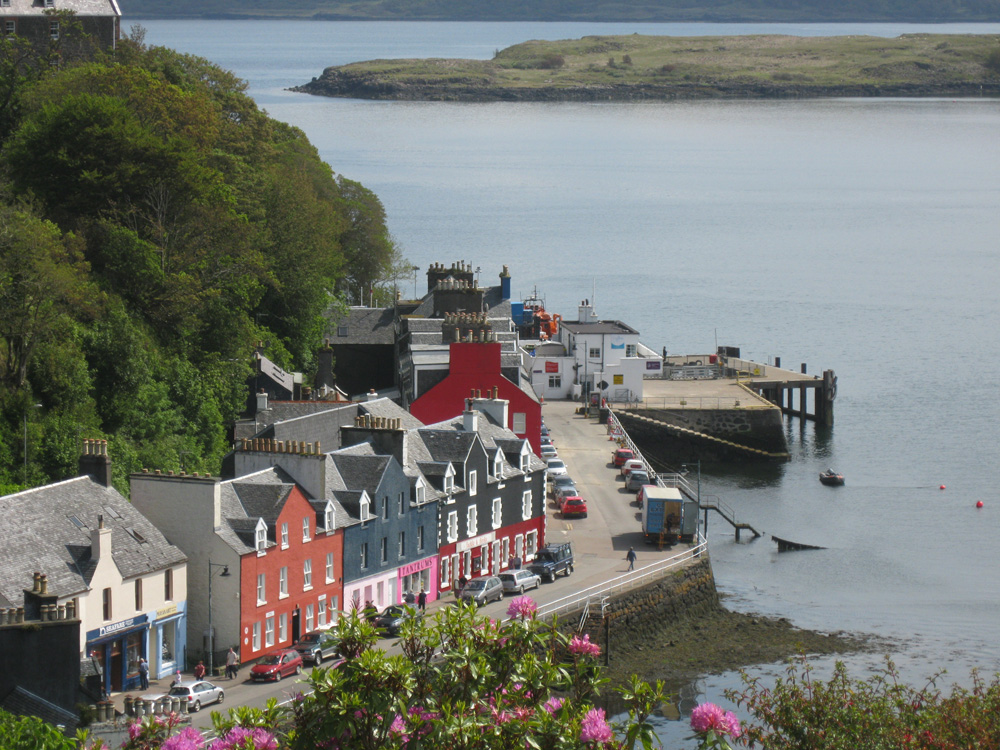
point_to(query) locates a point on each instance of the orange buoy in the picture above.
(979, 504)
(941, 487)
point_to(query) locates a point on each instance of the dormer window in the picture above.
(524, 461)
(260, 537)
(473, 483)
(449, 484)
(365, 505)
(419, 492)
(497, 466)
(328, 520)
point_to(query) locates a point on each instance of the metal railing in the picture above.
(687, 402)
(631, 580)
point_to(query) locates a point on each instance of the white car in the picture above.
(555, 467)
(518, 581)
(197, 694)
(549, 451)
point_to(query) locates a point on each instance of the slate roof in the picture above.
(80, 7)
(383, 407)
(21, 702)
(361, 472)
(447, 445)
(38, 534)
(365, 325)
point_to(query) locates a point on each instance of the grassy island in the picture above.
(629, 68)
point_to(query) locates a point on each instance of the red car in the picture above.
(274, 666)
(574, 505)
(620, 456)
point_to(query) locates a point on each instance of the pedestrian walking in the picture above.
(143, 674)
(422, 600)
(631, 558)
(231, 660)
(199, 671)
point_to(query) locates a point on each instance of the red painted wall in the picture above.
(294, 557)
(477, 367)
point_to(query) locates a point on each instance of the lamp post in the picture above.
(211, 630)
(25, 480)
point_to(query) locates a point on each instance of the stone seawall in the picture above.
(762, 429)
(635, 619)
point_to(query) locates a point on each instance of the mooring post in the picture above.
(737, 533)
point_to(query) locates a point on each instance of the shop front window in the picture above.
(133, 650)
(168, 632)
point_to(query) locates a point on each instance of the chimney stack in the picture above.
(94, 461)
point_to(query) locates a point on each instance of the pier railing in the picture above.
(591, 597)
(687, 402)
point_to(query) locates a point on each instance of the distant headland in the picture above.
(639, 11)
(635, 68)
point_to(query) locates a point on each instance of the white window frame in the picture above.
(305, 529)
(449, 483)
(307, 575)
(260, 537)
(526, 505)
(401, 503)
(445, 572)
(309, 618)
(54, 30)
(484, 559)
(473, 483)
(261, 589)
(531, 543)
(519, 547)
(321, 612)
(420, 492)
(255, 642)
(402, 544)
(283, 582)
(453, 526)
(329, 519)
(383, 550)
(385, 508)
(504, 551)
(420, 539)
(269, 631)
(364, 555)
(472, 521)
(497, 513)
(555, 380)
(284, 535)
(631, 350)
(365, 507)
(593, 352)
(330, 570)
(525, 461)
(10, 26)
(282, 627)
(519, 423)
(498, 465)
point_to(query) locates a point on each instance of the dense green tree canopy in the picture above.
(155, 225)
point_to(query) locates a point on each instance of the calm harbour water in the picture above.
(858, 235)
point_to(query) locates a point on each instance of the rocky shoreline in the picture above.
(355, 85)
(720, 641)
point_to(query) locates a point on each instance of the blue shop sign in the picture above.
(107, 631)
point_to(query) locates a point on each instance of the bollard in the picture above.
(184, 708)
(138, 708)
(129, 706)
(148, 706)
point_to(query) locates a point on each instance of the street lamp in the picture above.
(25, 481)
(211, 631)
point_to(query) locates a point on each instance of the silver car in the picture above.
(197, 694)
(518, 581)
(482, 590)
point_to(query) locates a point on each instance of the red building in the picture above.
(474, 370)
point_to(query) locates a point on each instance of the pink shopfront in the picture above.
(419, 576)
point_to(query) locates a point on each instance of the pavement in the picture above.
(600, 543)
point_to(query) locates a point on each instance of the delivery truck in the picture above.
(662, 514)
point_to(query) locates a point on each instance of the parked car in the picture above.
(555, 468)
(631, 465)
(563, 491)
(197, 694)
(315, 646)
(640, 497)
(482, 590)
(574, 506)
(620, 456)
(545, 430)
(519, 581)
(553, 559)
(635, 480)
(283, 663)
(549, 451)
(391, 620)
(546, 440)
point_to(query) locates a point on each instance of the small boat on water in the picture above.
(831, 478)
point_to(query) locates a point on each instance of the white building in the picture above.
(128, 583)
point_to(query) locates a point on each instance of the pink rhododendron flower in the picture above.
(553, 704)
(188, 738)
(594, 727)
(710, 718)
(522, 608)
(583, 647)
(134, 730)
(244, 739)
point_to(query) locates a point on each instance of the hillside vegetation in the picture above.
(662, 67)
(155, 225)
(927, 11)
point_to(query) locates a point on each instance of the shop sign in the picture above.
(166, 612)
(551, 367)
(106, 630)
(478, 541)
(414, 567)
